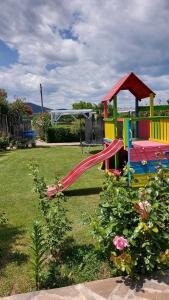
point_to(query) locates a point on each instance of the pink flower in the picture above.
(144, 205)
(120, 243)
(143, 208)
(51, 191)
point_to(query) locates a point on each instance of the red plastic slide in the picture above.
(89, 162)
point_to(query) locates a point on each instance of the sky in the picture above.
(78, 49)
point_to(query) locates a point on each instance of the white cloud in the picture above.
(109, 39)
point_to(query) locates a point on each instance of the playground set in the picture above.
(142, 142)
(145, 140)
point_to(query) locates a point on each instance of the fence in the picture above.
(13, 126)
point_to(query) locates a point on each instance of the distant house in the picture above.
(36, 109)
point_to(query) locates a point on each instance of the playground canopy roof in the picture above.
(131, 83)
(58, 113)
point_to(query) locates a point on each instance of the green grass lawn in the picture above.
(21, 206)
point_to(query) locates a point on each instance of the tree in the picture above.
(82, 105)
(18, 107)
(4, 106)
(98, 108)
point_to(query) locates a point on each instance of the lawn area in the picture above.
(21, 206)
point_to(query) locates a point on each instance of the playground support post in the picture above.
(151, 113)
(106, 116)
(105, 110)
(129, 145)
(115, 127)
(136, 114)
(106, 163)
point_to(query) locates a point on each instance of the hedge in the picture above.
(62, 134)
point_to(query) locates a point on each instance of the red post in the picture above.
(105, 110)
(105, 117)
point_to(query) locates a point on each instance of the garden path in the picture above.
(117, 288)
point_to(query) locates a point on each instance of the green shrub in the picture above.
(41, 122)
(62, 134)
(54, 213)
(38, 253)
(23, 143)
(131, 226)
(4, 143)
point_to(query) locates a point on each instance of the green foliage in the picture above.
(77, 128)
(63, 134)
(23, 143)
(4, 106)
(78, 263)
(4, 143)
(38, 253)
(82, 105)
(54, 213)
(41, 123)
(89, 265)
(18, 108)
(98, 108)
(138, 216)
(22, 210)
(40, 188)
(15, 108)
(57, 224)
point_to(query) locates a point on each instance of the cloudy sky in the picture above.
(78, 49)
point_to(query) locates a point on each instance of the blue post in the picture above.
(129, 145)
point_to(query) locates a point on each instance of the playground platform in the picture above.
(147, 143)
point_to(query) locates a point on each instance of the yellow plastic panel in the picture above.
(167, 131)
(162, 130)
(141, 179)
(109, 130)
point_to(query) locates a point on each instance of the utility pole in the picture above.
(41, 96)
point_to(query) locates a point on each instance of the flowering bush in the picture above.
(41, 123)
(131, 227)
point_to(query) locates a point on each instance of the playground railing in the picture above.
(159, 128)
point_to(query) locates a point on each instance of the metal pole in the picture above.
(41, 96)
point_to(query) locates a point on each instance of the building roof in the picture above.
(131, 83)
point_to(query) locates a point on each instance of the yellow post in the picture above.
(151, 115)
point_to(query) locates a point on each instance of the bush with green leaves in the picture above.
(131, 227)
(58, 134)
(41, 122)
(38, 248)
(56, 223)
(4, 143)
